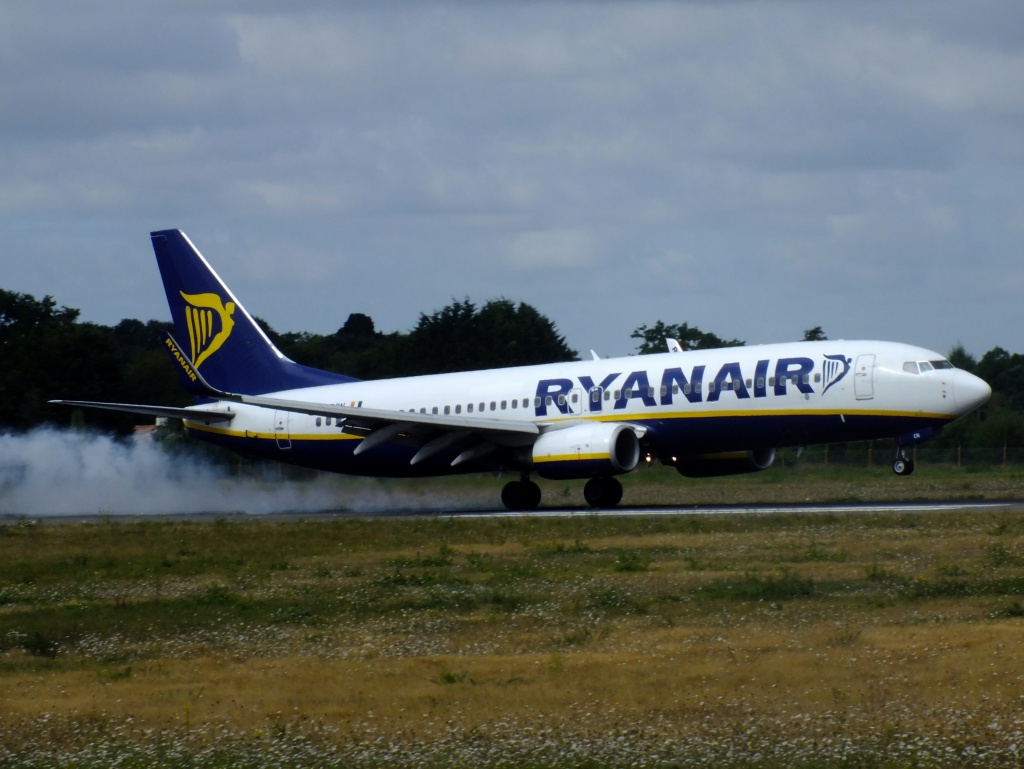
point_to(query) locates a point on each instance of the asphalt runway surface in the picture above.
(997, 506)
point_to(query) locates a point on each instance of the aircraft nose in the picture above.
(969, 391)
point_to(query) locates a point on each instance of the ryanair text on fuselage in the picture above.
(674, 382)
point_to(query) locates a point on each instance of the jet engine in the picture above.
(725, 463)
(586, 451)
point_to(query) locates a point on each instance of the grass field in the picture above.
(744, 640)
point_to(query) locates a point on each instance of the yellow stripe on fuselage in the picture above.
(648, 416)
(199, 427)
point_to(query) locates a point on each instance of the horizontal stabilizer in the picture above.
(206, 417)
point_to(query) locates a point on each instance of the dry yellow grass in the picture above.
(684, 634)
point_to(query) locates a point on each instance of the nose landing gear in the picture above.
(902, 465)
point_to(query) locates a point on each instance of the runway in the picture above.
(869, 508)
(798, 509)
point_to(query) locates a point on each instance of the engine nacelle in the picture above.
(586, 451)
(726, 463)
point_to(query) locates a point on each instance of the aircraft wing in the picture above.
(431, 433)
(206, 416)
(356, 417)
(362, 418)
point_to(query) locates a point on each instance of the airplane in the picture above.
(704, 412)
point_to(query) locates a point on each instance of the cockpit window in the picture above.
(924, 366)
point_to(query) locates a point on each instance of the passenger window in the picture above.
(771, 381)
(760, 383)
(481, 407)
(664, 390)
(447, 410)
(433, 410)
(504, 404)
(561, 400)
(493, 405)
(548, 401)
(318, 421)
(469, 408)
(607, 395)
(807, 378)
(515, 403)
(458, 408)
(595, 395)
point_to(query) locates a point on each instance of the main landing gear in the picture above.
(524, 494)
(902, 465)
(603, 492)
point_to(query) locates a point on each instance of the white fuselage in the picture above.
(686, 403)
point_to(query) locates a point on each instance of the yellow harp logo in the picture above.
(209, 324)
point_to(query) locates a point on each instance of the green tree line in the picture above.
(47, 352)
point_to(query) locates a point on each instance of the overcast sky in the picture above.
(751, 168)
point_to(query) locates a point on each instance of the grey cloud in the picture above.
(754, 168)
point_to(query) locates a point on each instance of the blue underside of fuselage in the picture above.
(664, 438)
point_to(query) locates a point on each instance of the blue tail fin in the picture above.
(218, 335)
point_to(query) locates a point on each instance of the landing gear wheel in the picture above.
(602, 492)
(531, 495)
(903, 466)
(521, 495)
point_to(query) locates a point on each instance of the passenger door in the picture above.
(864, 377)
(282, 425)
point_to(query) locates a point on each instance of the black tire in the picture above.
(903, 466)
(602, 492)
(512, 495)
(531, 495)
(614, 491)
